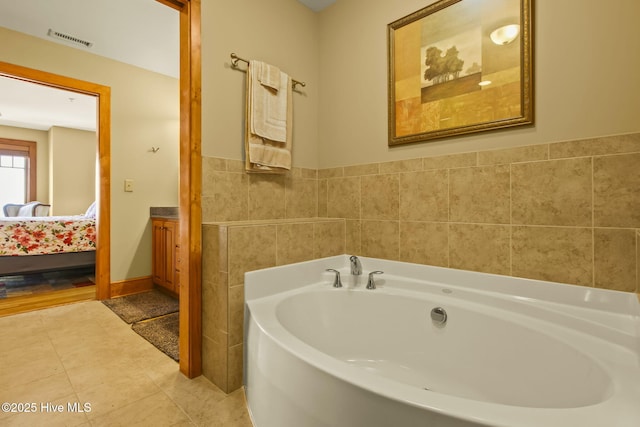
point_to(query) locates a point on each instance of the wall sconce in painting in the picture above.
(505, 34)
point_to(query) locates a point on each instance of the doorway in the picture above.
(103, 102)
(190, 177)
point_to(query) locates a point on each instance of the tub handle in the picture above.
(371, 284)
(337, 283)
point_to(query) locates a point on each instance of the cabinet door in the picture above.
(176, 286)
(158, 266)
(170, 239)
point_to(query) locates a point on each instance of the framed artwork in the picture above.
(458, 67)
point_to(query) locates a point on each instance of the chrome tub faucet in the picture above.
(371, 284)
(337, 283)
(356, 267)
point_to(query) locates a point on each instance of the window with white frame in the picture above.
(17, 171)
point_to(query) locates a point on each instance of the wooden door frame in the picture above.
(190, 209)
(103, 131)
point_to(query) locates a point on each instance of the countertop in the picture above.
(170, 212)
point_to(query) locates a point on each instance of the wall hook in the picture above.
(155, 149)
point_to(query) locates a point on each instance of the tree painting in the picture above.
(442, 68)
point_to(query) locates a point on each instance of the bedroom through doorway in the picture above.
(44, 274)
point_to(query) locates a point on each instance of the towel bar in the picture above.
(234, 63)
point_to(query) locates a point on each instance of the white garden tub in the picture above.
(512, 352)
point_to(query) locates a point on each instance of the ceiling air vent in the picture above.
(68, 38)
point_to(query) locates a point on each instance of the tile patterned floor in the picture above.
(84, 354)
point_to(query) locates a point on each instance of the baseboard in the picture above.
(131, 286)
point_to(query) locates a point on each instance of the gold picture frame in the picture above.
(459, 67)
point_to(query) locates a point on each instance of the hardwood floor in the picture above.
(21, 304)
(34, 291)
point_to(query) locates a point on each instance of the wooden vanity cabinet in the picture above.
(165, 264)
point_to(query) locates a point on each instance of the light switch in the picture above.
(128, 185)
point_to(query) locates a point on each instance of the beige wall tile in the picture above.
(235, 166)
(309, 173)
(354, 237)
(616, 191)
(215, 306)
(514, 155)
(231, 197)
(555, 192)
(214, 359)
(424, 196)
(638, 263)
(301, 198)
(479, 247)
(208, 204)
(235, 369)
(380, 239)
(343, 198)
(322, 198)
(450, 161)
(236, 314)
(295, 243)
(330, 173)
(293, 173)
(479, 195)
(359, 170)
(209, 306)
(596, 146)
(380, 197)
(223, 248)
(615, 259)
(553, 253)
(209, 166)
(266, 196)
(329, 238)
(250, 248)
(219, 163)
(210, 252)
(409, 165)
(424, 243)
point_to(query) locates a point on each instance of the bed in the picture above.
(30, 244)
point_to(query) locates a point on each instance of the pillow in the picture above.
(27, 210)
(91, 211)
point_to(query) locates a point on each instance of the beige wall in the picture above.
(282, 32)
(42, 146)
(579, 92)
(341, 52)
(72, 170)
(145, 112)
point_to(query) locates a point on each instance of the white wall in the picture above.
(586, 64)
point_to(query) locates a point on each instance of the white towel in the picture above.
(269, 107)
(264, 154)
(269, 75)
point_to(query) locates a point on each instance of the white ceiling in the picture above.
(143, 33)
(317, 5)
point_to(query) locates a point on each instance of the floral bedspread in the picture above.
(47, 235)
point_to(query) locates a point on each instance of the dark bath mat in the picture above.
(142, 306)
(162, 332)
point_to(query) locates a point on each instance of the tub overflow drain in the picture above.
(439, 315)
